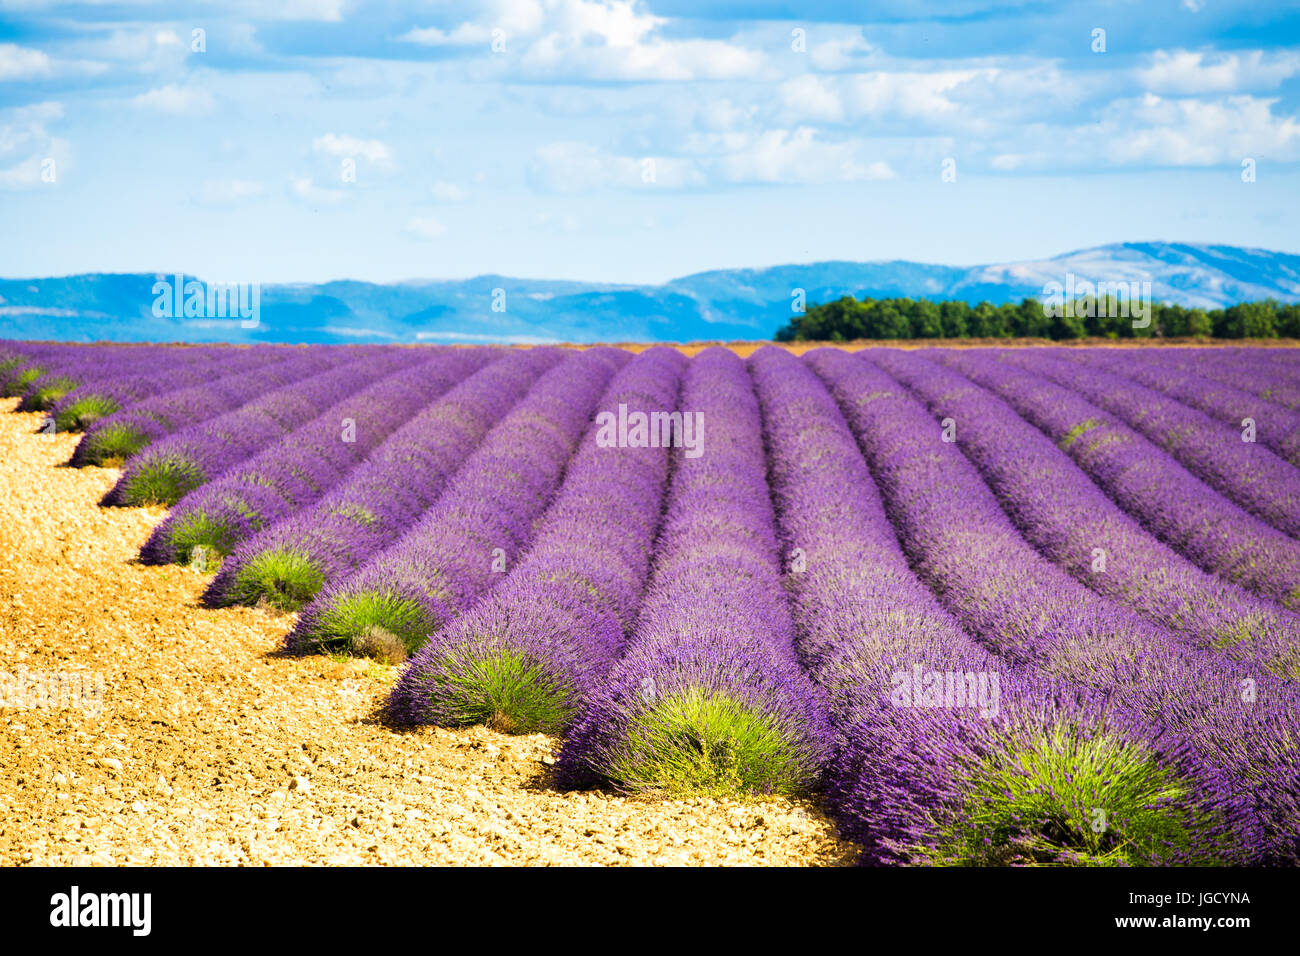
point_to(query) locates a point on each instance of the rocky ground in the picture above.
(211, 748)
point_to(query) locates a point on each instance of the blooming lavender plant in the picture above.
(927, 779)
(306, 463)
(1238, 371)
(120, 385)
(193, 456)
(289, 562)
(61, 369)
(1164, 497)
(1029, 611)
(1276, 428)
(117, 437)
(709, 696)
(445, 562)
(1249, 474)
(523, 658)
(1071, 521)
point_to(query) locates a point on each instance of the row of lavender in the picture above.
(633, 598)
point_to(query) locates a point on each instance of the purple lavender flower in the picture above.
(195, 455)
(524, 657)
(1071, 521)
(1164, 497)
(1028, 611)
(485, 517)
(117, 437)
(709, 696)
(1249, 474)
(928, 775)
(307, 462)
(289, 562)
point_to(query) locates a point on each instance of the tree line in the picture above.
(850, 318)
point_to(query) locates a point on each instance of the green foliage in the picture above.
(504, 689)
(1063, 797)
(163, 481)
(285, 578)
(710, 744)
(348, 622)
(848, 318)
(51, 390)
(114, 444)
(83, 412)
(19, 382)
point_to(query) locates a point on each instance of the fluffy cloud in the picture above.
(568, 167)
(28, 152)
(797, 156)
(22, 63)
(1191, 132)
(772, 156)
(372, 150)
(809, 99)
(425, 227)
(592, 40)
(1185, 71)
(845, 52)
(176, 100)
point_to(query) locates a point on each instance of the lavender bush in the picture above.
(296, 470)
(709, 696)
(523, 659)
(288, 563)
(443, 564)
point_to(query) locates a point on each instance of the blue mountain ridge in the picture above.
(723, 304)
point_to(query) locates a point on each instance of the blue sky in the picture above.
(633, 140)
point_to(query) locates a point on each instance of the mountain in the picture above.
(724, 304)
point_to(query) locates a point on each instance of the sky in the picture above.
(634, 140)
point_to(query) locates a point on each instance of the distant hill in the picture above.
(722, 304)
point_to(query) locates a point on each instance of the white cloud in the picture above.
(772, 156)
(425, 227)
(177, 100)
(592, 40)
(25, 127)
(785, 156)
(841, 53)
(327, 11)
(1011, 162)
(350, 146)
(1186, 71)
(22, 63)
(569, 167)
(467, 34)
(26, 146)
(303, 188)
(923, 96)
(23, 175)
(447, 192)
(809, 100)
(225, 191)
(1191, 132)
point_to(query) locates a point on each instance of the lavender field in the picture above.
(995, 606)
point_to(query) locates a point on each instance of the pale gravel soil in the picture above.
(213, 749)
